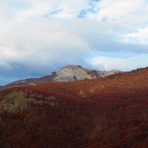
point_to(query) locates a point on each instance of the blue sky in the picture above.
(38, 37)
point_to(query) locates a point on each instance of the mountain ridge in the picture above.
(65, 74)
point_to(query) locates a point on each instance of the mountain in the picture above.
(75, 72)
(107, 112)
(67, 73)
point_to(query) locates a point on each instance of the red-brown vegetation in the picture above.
(107, 112)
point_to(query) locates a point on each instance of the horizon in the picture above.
(39, 37)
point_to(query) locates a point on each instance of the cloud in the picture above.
(68, 9)
(37, 37)
(115, 9)
(118, 9)
(120, 63)
(126, 13)
(40, 42)
(140, 36)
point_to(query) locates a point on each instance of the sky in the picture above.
(38, 37)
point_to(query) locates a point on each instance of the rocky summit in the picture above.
(76, 72)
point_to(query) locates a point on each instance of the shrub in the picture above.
(15, 102)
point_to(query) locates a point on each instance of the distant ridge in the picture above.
(65, 74)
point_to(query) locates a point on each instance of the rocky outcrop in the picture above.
(70, 73)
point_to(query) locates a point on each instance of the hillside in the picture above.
(107, 112)
(66, 74)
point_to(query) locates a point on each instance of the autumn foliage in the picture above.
(108, 112)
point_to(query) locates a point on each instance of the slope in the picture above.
(106, 112)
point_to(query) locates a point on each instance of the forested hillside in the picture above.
(100, 113)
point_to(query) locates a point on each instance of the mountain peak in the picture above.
(71, 72)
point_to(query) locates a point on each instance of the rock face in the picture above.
(70, 73)
(67, 73)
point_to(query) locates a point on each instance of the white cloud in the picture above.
(126, 13)
(140, 36)
(34, 33)
(114, 9)
(120, 63)
(43, 8)
(40, 42)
